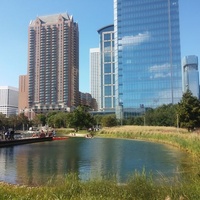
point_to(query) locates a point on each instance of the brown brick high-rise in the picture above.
(53, 63)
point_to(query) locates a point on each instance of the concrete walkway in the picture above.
(77, 135)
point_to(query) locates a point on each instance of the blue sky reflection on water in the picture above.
(90, 158)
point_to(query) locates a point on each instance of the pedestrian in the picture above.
(6, 135)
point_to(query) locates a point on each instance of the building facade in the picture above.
(190, 77)
(107, 69)
(147, 54)
(95, 75)
(8, 100)
(23, 95)
(53, 63)
(86, 99)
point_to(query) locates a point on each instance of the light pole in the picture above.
(144, 111)
(121, 112)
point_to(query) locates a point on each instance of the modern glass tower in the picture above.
(107, 69)
(147, 54)
(190, 75)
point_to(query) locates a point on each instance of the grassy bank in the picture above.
(140, 186)
(189, 141)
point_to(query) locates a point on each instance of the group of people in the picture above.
(43, 134)
(9, 135)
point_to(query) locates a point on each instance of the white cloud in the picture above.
(161, 75)
(159, 68)
(136, 39)
(160, 71)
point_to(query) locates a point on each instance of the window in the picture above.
(107, 79)
(107, 90)
(107, 36)
(107, 68)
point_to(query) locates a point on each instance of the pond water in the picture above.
(34, 164)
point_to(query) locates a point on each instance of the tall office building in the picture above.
(190, 75)
(95, 74)
(107, 69)
(8, 100)
(53, 63)
(147, 54)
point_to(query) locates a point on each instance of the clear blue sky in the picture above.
(91, 15)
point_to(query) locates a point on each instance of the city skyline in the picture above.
(16, 15)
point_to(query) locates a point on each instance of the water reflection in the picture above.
(34, 164)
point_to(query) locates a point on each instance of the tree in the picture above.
(13, 122)
(139, 120)
(109, 120)
(2, 122)
(164, 115)
(189, 111)
(81, 118)
(39, 119)
(59, 120)
(23, 120)
(98, 119)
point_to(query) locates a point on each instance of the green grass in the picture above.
(139, 187)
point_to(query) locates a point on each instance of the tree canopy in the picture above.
(189, 111)
(186, 113)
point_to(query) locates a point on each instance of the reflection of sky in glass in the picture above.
(135, 40)
(148, 53)
(90, 158)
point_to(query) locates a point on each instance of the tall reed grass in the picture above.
(140, 186)
(189, 141)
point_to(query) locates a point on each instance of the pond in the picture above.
(34, 164)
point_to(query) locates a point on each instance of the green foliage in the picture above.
(58, 120)
(129, 121)
(14, 121)
(23, 119)
(98, 119)
(80, 118)
(139, 120)
(164, 115)
(189, 111)
(39, 119)
(109, 121)
(140, 186)
(2, 121)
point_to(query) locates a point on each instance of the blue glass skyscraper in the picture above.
(147, 54)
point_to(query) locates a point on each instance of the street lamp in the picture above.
(143, 107)
(121, 112)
